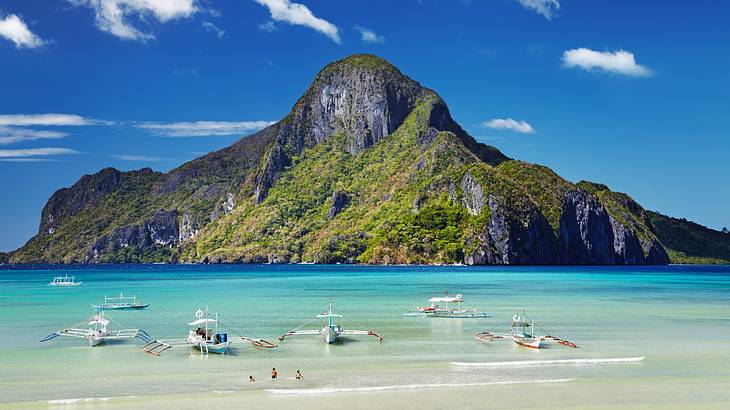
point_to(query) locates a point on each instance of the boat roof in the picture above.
(447, 299)
(321, 315)
(201, 321)
(100, 321)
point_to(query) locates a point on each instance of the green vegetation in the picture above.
(689, 242)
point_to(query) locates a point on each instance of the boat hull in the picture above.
(95, 340)
(330, 335)
(121, 307)
(217, 348)
(530, 342)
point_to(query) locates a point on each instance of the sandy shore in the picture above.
(569, 394)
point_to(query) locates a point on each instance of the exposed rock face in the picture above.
(67, 202)
(187, 228)
(363, 98)
(585, 231)
(159, 230)
(472, 194)
(339, 201)
(626, 245)
(276, 161)
(587, 236)
(507, 241)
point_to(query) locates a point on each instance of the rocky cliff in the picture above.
(368, 167)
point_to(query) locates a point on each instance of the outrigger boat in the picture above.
(64, 281)
(436, 310)
(205, 337)
(330, 331)
(121, 303)
(98, 331)
(522, 332)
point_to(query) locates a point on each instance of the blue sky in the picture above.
(631, 94)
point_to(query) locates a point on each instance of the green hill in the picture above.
(368, 167)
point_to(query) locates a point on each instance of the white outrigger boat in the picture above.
(98, 331)
(205, 337)
(330, 331)
(522, 332)
(436, 310)
(64, 281)
(121, 303)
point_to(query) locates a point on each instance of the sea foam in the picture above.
(532, 363)
(370, 389)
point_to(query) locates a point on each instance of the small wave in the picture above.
(79, 400)
(330, 390)
(531, 363)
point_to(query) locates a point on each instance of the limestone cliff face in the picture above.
(67, 202)
(363, 98)
(587, 235)
(585, 231)
(507, 240)
(160, 230)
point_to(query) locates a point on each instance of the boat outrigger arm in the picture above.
(331, 331)
(522, 332)
(97, 332)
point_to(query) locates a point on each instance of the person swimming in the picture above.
(251, 379)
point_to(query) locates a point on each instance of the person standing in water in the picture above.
(274, 374)
(299, 375)
(251, 379)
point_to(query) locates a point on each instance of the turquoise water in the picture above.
(670, 326)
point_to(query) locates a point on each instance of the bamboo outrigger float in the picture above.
(207, 337)
(522, 332)
(330, 331)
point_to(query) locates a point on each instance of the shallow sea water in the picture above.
(654, 337)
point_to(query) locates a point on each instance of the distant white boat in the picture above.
(64, 281)
(121, 303)
(436, 310)
(97, 331)
(331, 331)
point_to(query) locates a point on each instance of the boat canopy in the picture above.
(201, 321)
(327, 315)
(447, 299)
(99, 320)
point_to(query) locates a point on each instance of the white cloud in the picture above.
(113, 16)
(620, 62)
(138, 158)
(212, 28)
(547, 8)
(369, 36)
(24, 120)
(203, 128)
(510, 124)
(34, 152)
(268, 27)
(14, 29)
(299, 14)
(11, 135)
